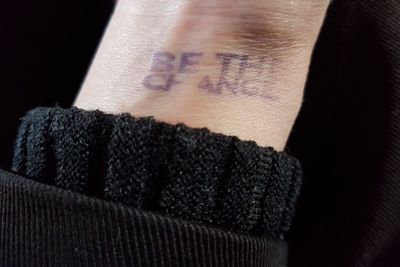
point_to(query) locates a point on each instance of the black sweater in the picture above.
(137, 192)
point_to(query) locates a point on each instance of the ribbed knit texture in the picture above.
(45, 226)
(185, 173)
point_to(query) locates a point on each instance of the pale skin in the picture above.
(235, 67)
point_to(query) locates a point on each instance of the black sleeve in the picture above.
(113, 190)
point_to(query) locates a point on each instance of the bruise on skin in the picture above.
(255, 33)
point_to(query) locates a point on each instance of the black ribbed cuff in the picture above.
(191, 174)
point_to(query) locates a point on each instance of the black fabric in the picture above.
(45, 226)
(185, 173)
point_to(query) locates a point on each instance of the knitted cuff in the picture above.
(174, 170)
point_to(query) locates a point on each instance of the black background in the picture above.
(45, 50)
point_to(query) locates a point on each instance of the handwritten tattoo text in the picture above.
(235, 74)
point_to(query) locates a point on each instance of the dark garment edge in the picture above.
(42, 225)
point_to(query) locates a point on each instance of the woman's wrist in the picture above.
(236, 69)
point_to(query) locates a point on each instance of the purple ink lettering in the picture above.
(189, 59)
(162, 61)
(245, 89)
(245, 64)
(226, 64)
(171, 82)
(160, 82)
(207, 85)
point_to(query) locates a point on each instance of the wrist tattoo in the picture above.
(236, 74)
